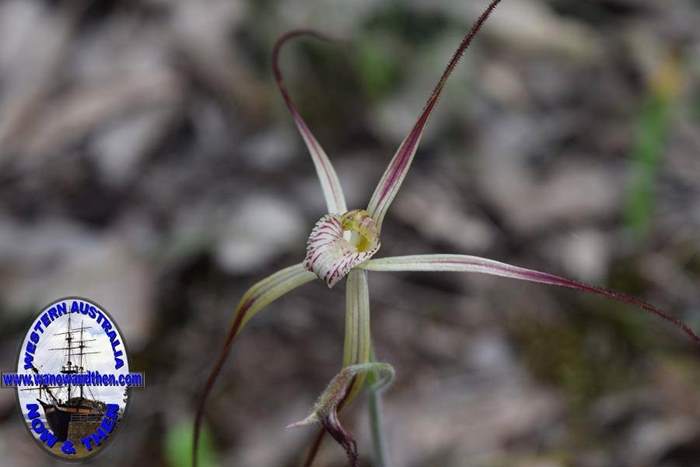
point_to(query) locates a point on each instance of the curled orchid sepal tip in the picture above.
(325, 410)
(339, 242)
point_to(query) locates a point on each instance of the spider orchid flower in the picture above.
(343, 243)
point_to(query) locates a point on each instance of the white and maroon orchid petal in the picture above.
(332, 191)
(463, 263)
(325, 410)
(338, 243)
(254, 300)
(391, 181)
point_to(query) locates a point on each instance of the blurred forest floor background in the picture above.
(148, 163)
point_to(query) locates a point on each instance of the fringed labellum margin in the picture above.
(338, 243)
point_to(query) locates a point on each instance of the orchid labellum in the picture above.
(343, 243)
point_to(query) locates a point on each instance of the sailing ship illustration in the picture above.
(71, 411)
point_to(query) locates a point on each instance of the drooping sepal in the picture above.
(338, 243)
(325, 410)
(253, 301)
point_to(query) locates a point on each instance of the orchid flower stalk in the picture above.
(343, 244)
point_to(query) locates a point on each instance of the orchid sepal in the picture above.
(253, 301)
(357, 348)
(357, 351)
